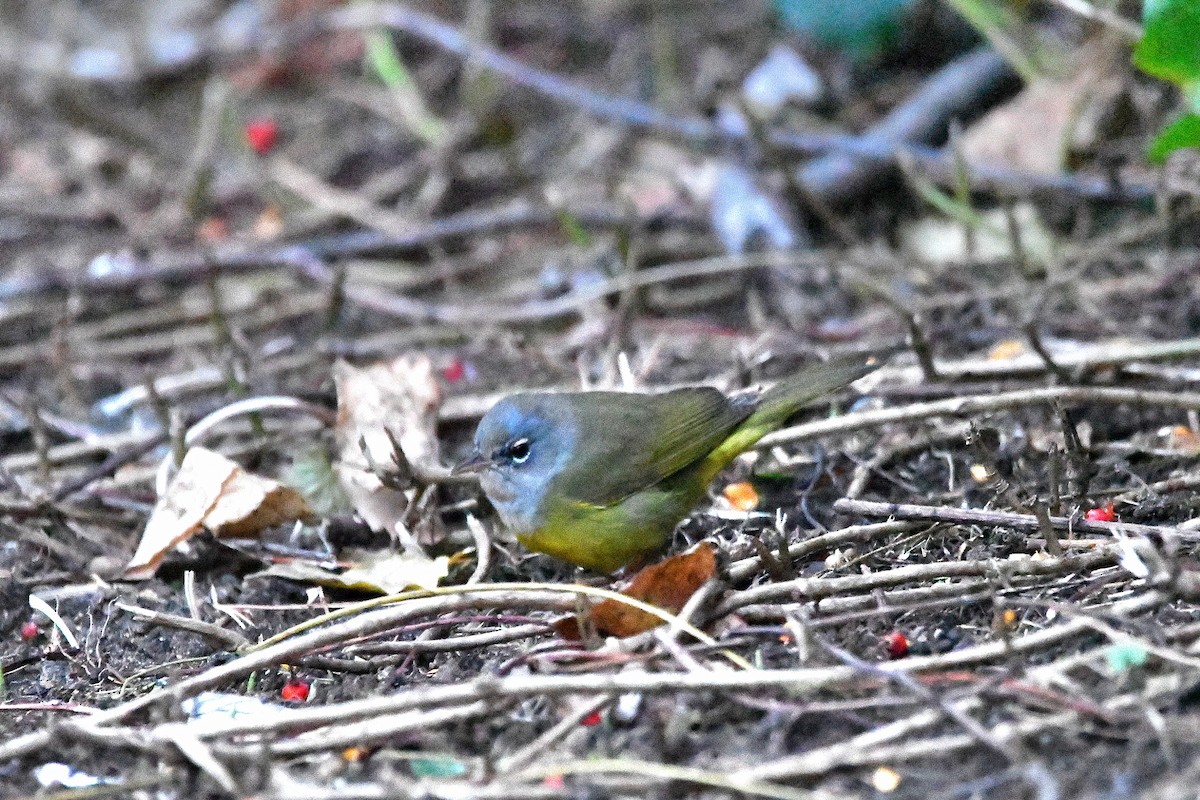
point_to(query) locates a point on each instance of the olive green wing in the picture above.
(625, 442)
(784, 399)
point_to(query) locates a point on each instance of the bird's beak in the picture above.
(472, 466)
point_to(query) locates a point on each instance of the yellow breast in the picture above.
(599, 538)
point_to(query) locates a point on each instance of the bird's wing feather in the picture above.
(649, 439)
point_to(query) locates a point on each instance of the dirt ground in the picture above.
(972, 574)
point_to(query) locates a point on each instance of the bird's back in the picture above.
(628, 442)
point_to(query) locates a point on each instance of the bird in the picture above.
(601, 478)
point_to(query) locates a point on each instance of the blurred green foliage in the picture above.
(1170, 49)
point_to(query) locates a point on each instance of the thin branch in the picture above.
(981, 404)
(1028, 523)
(818, 588)
(697, 131)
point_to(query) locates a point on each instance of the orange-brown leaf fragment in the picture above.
(741, 496)
(1006, 350)
(667, 584)
(1184, 438)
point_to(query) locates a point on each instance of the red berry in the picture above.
(295, 690)
(30, 631)
(1104, 513)
(262, 135)
(212, 230)
(897, 644)
(592, 719)
(455, 372)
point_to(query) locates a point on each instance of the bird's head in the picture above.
(521, 444)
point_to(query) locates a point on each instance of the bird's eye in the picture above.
(518, 451)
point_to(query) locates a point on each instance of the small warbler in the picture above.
(600, 479)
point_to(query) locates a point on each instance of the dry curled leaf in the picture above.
(380, 406)
(211, 491)
(380, 574)
(668, 585)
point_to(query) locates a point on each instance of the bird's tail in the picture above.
(781, 401)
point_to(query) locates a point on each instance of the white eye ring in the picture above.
(522, 445)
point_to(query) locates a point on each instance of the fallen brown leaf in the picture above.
(668, 585)
(213, 492)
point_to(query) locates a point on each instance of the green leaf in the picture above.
(951, 206)
(1170, 47)
(573, 228)
(385, 60)
(1183, 132)
(381, 52)
(1126, 656)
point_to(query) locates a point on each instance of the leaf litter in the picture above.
(1044, 651)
